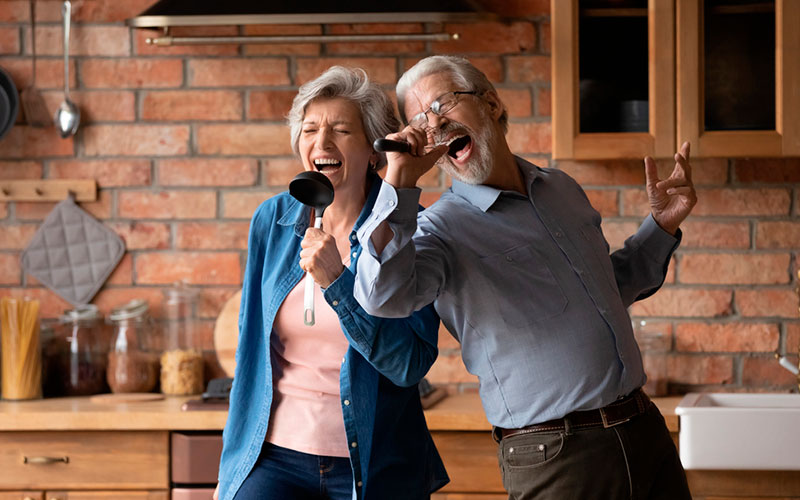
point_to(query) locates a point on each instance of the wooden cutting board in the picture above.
(226, 334)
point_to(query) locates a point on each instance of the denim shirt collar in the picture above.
(299, 215)
(483, 196)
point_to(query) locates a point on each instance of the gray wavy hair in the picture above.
(377, 111)
(464, 74)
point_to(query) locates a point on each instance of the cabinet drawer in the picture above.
(195, 458)
(84, 460)
(471, 462)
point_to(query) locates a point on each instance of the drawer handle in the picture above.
(44, 460)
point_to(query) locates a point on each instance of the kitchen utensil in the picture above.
(226, 334)
(9, 115)
(72, 253)
(21, 354)
(382, 145)
(316, 191)
(32, 101)
(68, 116)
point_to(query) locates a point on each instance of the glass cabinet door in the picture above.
(613, 78)
(738, 66)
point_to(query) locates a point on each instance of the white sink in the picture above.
(740, 431)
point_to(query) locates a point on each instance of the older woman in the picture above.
(329, 411)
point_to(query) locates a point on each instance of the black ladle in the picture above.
(316, 191)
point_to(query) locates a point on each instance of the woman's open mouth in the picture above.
(327, 165)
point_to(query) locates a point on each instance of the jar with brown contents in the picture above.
(132, 367)
(182, 361)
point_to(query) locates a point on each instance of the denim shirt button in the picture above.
(353, 444)
(335, 303)
(359, 484)
(347, 402)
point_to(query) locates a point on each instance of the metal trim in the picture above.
(166, 41)
(322, 18)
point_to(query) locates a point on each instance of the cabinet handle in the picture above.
(44, 460)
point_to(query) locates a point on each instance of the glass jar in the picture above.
(132, 364)
(76, 354)
(654, 345)
(182, 360)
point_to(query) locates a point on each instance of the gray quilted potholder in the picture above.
(72, 253)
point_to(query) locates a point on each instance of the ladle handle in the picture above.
(66, 12)
(308, 298)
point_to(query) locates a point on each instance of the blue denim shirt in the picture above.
(525, 282)
(391, 451)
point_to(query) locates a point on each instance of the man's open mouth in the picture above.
(327, 164)
(457, 145)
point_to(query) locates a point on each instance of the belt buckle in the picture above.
(606, 423)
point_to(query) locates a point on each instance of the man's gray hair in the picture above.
(464, 74)
(377, 111)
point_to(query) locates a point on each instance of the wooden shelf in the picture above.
(48, 190)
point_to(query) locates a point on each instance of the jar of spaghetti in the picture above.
(182, 359)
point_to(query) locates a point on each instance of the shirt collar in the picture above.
(298, 215)
(483, 196)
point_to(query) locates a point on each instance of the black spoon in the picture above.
(316, 191)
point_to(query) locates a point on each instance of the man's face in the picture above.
(468, 128)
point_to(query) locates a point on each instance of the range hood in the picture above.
(167, 13)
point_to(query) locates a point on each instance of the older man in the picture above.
(516, 264)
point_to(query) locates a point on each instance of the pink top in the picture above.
(306, 406)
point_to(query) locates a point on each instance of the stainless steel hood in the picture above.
(168, 13)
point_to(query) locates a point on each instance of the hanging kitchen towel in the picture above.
(72, 253)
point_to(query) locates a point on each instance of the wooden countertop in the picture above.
(457, 412)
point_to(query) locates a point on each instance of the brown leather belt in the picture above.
(616, 413)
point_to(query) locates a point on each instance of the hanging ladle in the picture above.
(68, 116)
(316, 191)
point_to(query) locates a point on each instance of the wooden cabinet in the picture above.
(84, 495)
(638, 77)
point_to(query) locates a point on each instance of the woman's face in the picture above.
(332, 141)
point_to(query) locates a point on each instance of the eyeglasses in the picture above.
(441, 106)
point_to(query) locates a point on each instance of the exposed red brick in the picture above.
(269, 104)
(15, 11)
(242, 204)
(131, 73)
(685, 302)
(727, 337)
(749, 202)
(768, 170)
(605, 173)
(212, 300)
(767, 302)
(380, 69)
(244, 139)
(95, 11)
(142, 48)
(238, 72)
(9, 40)
(491, 37)
(143, 235)
(765, 371)
(283, 49)
(530, 137)
(49, 72)
(543, 102)
(705, 171)
(280, 171)
(604, 201)
(792, 337)
(83, 41)
(135, 140)
(214, 268)
(778, 234)
(727, 269)
(617, 232)
(167, 204)
(208, 172)
(96, 106)
(20, 170)
(449, 368)
(50, 304)
(123, 273)
(517, 101)
(697, 369)
(27, 142)
(3, 210)
(177, 105)
(698, 233)
(107, 173)
(528, 69)
(375, 47)
(10, 269)
(547, 37)
(228, 235)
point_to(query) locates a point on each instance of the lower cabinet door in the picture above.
(106, 495)
(21, 495)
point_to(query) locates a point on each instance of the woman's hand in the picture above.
(320, 257)
(404, 169)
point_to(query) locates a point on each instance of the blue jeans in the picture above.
(284, 474)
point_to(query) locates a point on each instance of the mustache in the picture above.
(439, 136)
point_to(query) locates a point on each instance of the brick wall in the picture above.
(185, 142)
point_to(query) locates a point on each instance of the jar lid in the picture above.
(88, 312)
(133, 309)
(180, 292)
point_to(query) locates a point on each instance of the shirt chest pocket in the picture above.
(525, 288)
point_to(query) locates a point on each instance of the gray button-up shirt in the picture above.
(525, 283)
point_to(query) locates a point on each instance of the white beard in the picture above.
(478, 167)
